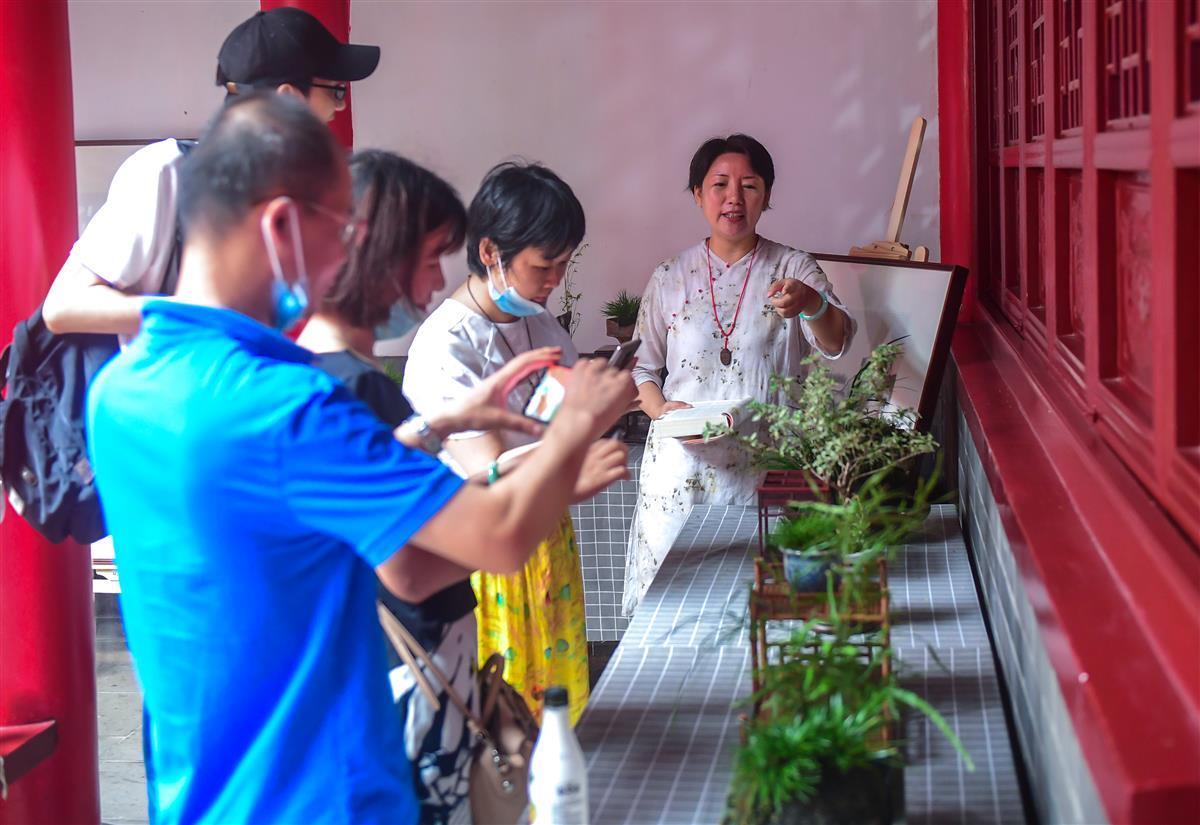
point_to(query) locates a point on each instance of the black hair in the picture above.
(521, 205)
(713, 148)
(402, 203)
(255, 148)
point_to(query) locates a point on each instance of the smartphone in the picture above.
(623, 354)
(548, 395)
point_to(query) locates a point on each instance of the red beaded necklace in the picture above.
(726, 354)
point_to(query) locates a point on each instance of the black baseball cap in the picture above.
(287, 45)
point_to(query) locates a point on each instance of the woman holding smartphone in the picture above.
(522, 228)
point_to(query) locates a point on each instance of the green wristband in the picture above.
(824, 308)
(493, 472)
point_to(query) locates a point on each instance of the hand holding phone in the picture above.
(623, 355)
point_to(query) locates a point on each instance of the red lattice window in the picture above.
(1092, 258)
(1126, 63)
(1131, 349)
(1035, 288)
(1036, 15)
(993, 117)
(1012, 93)
(1069, 25)
(1071, 324)
(1191, 54)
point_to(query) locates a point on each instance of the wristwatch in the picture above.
(416, 427)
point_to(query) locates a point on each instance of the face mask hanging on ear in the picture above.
(510, 301)
(403, 318)
(289, 302)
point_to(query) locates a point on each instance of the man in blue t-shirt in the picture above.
(252, 500)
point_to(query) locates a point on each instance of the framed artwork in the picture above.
(915, 303)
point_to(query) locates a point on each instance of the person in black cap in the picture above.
(130, 247)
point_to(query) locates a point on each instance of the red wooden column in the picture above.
(335, 16)
(955, 136)
(47, 669)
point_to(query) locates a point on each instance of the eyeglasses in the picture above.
(352, 228)
(339, 89)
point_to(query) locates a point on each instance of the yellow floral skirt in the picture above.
(535, 618)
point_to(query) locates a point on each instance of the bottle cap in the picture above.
(556, 697)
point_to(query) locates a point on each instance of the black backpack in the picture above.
(44, 377)
(43, 451)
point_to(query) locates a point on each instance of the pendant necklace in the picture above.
(726, 354)
(529, 379)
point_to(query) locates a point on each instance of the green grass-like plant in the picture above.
(823, 710)
(623, 309)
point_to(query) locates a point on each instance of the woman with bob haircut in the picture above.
(412, 218)
(522, 228)
(721, 317)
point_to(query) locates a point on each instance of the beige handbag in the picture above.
(504, 731)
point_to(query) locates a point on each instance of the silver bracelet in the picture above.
(824, 308)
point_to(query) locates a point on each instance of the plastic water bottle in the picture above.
(557, 774)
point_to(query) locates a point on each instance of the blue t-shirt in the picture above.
(250, 496)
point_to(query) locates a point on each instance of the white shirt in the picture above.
(456, 348)
(678, 331)
(129, 241)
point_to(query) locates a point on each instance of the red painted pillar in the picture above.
(335, 16)
(955, 140)
(47, 668)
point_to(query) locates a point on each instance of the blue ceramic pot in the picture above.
(804, 573)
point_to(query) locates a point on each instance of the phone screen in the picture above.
(548, 396)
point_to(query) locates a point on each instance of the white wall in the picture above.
(148, 69)
(615, 96)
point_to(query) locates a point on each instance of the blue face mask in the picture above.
(289, 302)
(403, 318)
(510, 301)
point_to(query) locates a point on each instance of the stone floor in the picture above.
(119, 707)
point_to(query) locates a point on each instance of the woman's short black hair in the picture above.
(521, 205)
(402, 203)
(713, 148)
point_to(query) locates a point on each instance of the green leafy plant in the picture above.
(570, 292)
(853, 534)
(823, 711)
(836, 437)
(623, 309)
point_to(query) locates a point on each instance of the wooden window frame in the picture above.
(1149, 416)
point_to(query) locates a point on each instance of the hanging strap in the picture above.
(407, 647)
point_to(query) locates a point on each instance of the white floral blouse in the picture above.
(678, 332)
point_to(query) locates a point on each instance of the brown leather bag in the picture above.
(504, 731)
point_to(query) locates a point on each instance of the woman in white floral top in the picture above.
(722, 317)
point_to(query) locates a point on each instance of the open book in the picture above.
(690, 423)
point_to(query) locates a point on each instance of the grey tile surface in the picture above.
(663, 722)
(602, 527)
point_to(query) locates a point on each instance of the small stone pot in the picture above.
(613, 330)
(803, 572)
(870, 795)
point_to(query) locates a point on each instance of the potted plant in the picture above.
(821, 746)
(820, 749)
(843, 541)
(836, 438)
(621, 314)
(569, 318)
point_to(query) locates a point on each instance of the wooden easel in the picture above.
(890, 247)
